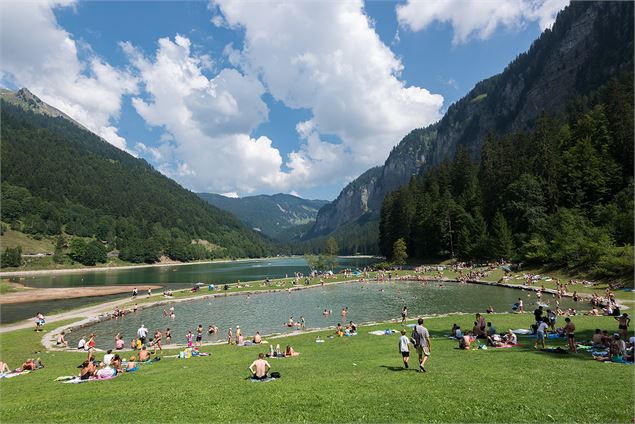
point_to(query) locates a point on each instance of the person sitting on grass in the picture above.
(132, 364)
(119, 343)
(88, 370)
(259, 368)
(453, 330)
(510, 337)
(144, 354)
(338, 330)
(466, 341)
(617, 351)
(116, 362)
(257, 338)
(290, 352)
(476, 330)
(598, 339)
(108, 357)
(61, 341)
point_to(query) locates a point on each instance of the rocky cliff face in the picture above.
(589, 43)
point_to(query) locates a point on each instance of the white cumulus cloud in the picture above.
(208, 122)
(478, 18)
(327, 57)
(38, 54)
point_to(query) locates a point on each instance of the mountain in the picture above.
(589, 43)
(59, 178)
(275, 215)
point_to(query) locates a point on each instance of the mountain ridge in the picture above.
(274, 215)
(568, 60)
(58, 178)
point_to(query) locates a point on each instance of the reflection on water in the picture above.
(267, 312)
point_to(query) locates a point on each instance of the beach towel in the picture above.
(523, 331)
(266, 380)
(14, 374)
(377, 332)
(556, 350)
(507, 346)
(555, 336)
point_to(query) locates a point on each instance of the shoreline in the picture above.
(48, 340)
(32, 273)
(32, 294)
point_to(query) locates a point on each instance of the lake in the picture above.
(267, 312)
(175, 277)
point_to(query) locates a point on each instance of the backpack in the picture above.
(275, 374)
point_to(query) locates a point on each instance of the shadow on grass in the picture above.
(391, 368)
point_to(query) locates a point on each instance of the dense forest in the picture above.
(559, 193)
(60, 179)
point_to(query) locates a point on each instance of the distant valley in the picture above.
(279, 216)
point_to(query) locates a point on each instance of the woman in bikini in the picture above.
(157, 341)
(622, 325)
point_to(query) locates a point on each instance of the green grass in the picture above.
(12, 238)
(7, 287)
(342, 380)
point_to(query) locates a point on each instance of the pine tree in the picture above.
(502, 242)
(58, 253)
(399, 252)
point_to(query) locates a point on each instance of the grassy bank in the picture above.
(344, 379)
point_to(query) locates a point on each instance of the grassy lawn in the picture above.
(342, 380)
(12, 238)
(8, 287)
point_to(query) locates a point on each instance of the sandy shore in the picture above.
(30, 294)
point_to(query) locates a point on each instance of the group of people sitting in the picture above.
(612, 348)
(110, 366)
(277, 353)
(28, 365)
(488, 334)
(349, 330)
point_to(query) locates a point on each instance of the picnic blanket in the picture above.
(266, 380)
(383, 332)
(14, 374)
(507, 346)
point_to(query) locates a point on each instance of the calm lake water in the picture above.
(267, 312)
(174, 277)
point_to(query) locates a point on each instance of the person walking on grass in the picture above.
(569, 330)
(540, 333)
(421, 338)
(404, 349)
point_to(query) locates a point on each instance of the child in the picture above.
(403, 348)
(540, 333)
(189, 337)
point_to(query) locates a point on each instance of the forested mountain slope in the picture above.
(59, 178)
(590, 42)
(274, 215)
(558, 194)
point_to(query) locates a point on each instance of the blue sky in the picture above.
(248, 98)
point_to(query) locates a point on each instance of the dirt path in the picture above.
(74, 314)
(29, 294)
